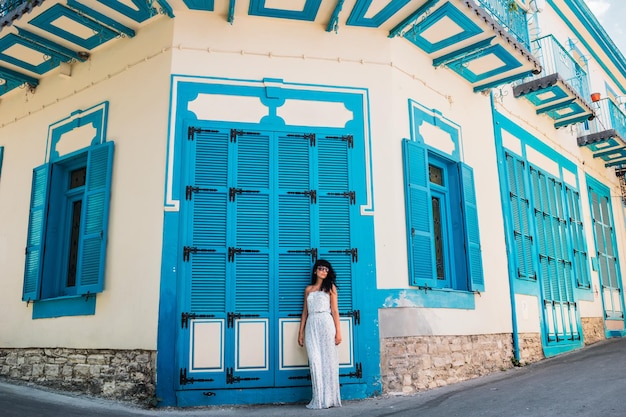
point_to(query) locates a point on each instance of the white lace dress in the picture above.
(319, 337)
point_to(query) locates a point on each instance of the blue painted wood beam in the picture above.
(333, 24)
(231, 12)
(412, 18)
(54, 49)
(10, 75)
(166, 8)
(463, 52)
(501, 81)
(556, 106)
(100, 18)
(575, 120)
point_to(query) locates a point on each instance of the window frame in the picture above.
(466, 272)
(47, 249)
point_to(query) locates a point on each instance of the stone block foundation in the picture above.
(418, 363)
(593, 329)
(127, 375)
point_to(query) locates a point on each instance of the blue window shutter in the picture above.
(581, 263)
(418, 213)
(335, 206)
(209, 221)
(296, 200)
(520, 210)
(36, 233)
(472, 234)
(95, 215)
(253, 222)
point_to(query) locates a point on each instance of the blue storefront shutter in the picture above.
(36, 233)
(418, 213)
(95, 215)
(472, 234)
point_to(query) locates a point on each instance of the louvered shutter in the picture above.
(581, 265)
(95, 215)
(472, 234)
(36, 233)
(520, 207)
(253, 223)
(296, 199)
(209, 152)
(336, 200)
(418, 213)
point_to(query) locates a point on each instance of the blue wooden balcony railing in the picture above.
(608, 116)
(555, 59)
(510, 16)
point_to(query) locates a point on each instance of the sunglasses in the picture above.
(322, 268)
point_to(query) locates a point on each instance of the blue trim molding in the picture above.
(309, 11)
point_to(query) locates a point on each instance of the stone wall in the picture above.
(593, 329)
(530, 348)
(121, 375)
(410, 364)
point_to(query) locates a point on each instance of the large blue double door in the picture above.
(260, 207)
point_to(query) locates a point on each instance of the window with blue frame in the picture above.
(68, 222)
(442, 221)
(557, 232)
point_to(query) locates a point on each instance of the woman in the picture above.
(320, 329)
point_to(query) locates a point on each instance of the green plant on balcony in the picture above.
(513, 6)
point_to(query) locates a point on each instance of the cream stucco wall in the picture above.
(133, 76)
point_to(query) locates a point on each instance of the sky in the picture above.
(612, 16)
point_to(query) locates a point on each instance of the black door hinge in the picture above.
(355, 314)
(312, 252)
(348, 138)
(191, 132)
(354, 252)
(308, 136)
(234, 251)
(358, 373)
(189, 190)
(184, 380)
(187, 250)
(232, 192)
(311, 193)
(234, 133)
(230, 379)
(350, 194)
(185, 317)
(236, 316)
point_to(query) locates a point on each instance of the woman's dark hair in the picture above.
(328, 283)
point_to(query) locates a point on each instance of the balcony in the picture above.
(605, 136)
(38, 37)
(561, 90)
(483, 41)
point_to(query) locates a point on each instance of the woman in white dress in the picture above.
(321, 332)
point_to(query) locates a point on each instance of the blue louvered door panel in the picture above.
(204, 328)
(296, 199)
(606, 254)
(260, 208)
(251, 286)
(337, 207)
(561, 324)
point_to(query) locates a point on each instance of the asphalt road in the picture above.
(589, 382)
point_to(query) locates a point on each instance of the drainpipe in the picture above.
(516, 348)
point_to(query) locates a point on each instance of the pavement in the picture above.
(589, 382)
